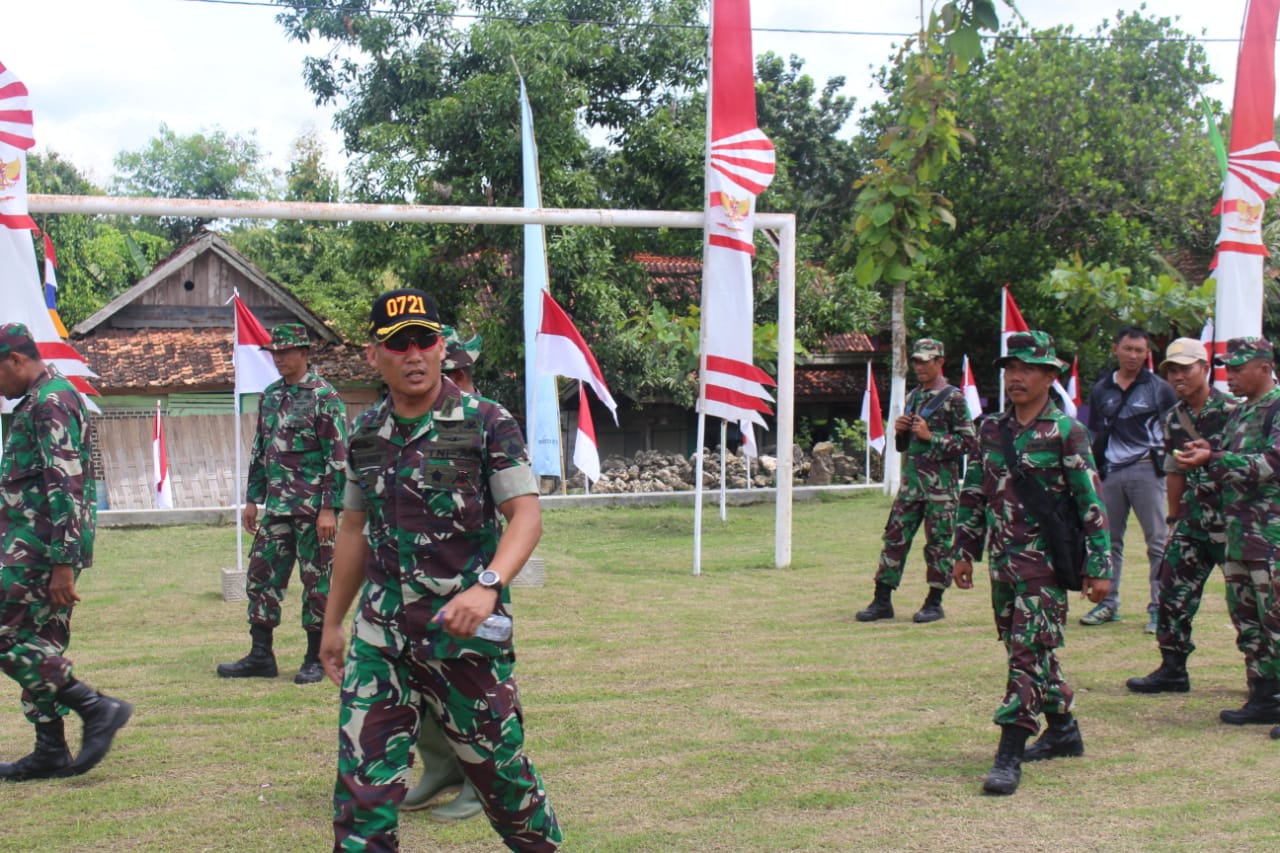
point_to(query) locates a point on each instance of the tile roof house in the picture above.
(169, 340)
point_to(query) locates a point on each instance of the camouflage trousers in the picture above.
(1253, 597)
(939, 519)
(279, 541)
(1189, 558)
(1029, 619)
(33, 636)
(475, 702)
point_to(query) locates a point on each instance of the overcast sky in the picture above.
(104, 74)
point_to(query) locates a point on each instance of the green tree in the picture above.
(207, 165)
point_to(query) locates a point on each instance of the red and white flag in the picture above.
(872, 416)
(1073, 384)
(563, 352)
(1253, 174)
(255, 369)
(21, 291)
(1206, 338)
(160, 464)
(586, 454)
(740, 164)
(969, 389)
(1012, 321)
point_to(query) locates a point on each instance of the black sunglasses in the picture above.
(421, 338)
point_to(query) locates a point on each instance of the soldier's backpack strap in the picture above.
(1185, 420)
(936, 402)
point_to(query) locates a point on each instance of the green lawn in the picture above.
(742, 710)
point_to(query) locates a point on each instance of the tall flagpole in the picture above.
(1004, 325)
(235, 485)
(724, 464)
(866, 467)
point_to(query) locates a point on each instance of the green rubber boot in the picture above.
(463, 807)
(441, 772)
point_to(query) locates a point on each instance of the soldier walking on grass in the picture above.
(935, 434)
(422, 550)
(48, 506)
(1029, 601)
(298, 471)
(1197, 532)
(1247, 470)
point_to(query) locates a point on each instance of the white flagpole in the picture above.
(724, 463)
(697, 491)
(235, 484)
(1004, 325)
(866, 469)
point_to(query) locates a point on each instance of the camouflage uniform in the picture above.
(930, 485)
(1030, 607)
(1247, 470)
(297, 469)
(1197, 537)
(430, 489)
(48, 505)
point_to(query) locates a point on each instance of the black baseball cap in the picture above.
(402, 308)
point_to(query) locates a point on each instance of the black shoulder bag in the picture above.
(1060, 525)
(926, 411)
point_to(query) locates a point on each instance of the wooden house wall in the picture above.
(212, 281)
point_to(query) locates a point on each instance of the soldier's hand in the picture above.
(1193, 457)
(62, 586)
(326, 526)
(249, 517)
(920, 428)
(333, 652)
(962, 574)
(902, 423)
(1095, 589)
(466, 610)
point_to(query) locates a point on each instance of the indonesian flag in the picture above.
(586, 454)
(969, 389)
(563, 352)
(1013, 321)
(1066, 401)
(1073, 383)
(21, 291)
(740, 164)
(51, 285)
(1253, 173)
(871, 415)
(255, 369)
(160, 464)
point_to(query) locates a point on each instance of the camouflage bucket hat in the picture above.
(1033, 347)
(12, 336)
(927, 349)
(460, 354)
(1244, 350)
(288, 336)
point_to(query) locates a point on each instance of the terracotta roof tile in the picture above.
(814, 384)
(847, 342)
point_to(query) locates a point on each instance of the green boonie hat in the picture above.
(927, 349)
(1033, 347)
(288, 336)
(1244, 350)
(460, 354)
(13, 335)
(401, 308)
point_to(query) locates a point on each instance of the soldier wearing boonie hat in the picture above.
(1028, 599)
(48, 516)
(419, 556)
(1197, 531)
(934, 434)
(296, 470)
(1244, 469)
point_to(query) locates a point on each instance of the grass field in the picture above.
(742, 710)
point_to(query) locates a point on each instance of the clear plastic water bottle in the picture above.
(496, 628)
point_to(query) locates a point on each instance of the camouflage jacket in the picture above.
(1054, 448)
(931, 469)
(48, 497)
(298, 466)
(1201, 505)
(431, 488)
(1247, 469)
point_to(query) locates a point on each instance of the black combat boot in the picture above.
(50, 755)
(102, 717)
(1263, 705)
(931, 610)
(1170, 677)
(259, 663)
(1061, 739)
(1006, 772)
(881, 607)
(311, 671)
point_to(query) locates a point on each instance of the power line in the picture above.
(805, 31)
